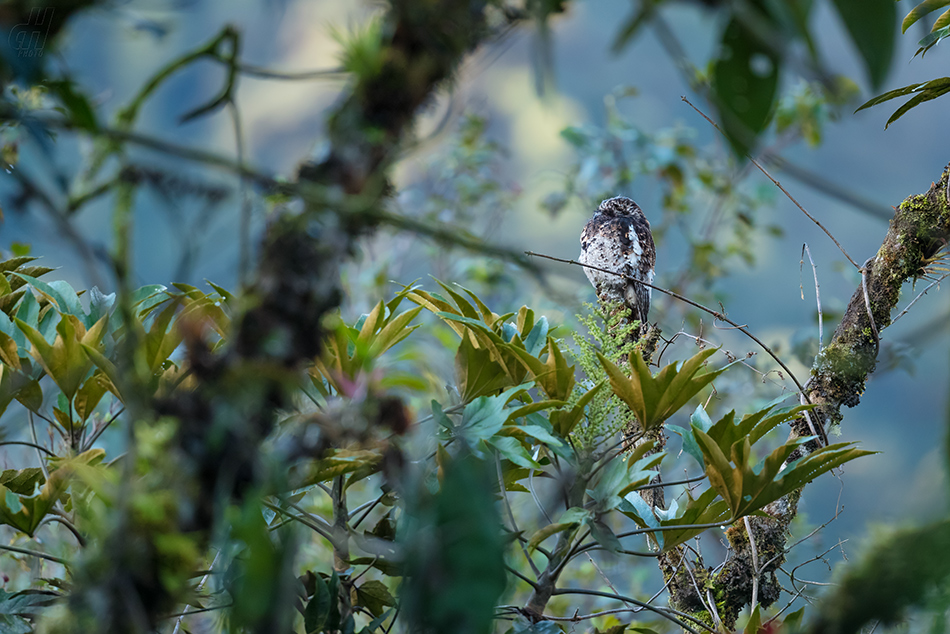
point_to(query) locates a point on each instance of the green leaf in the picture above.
(564, 421)
(603, 535)
(337, 462)
(23, 481)
(747, 488)
(455, 532)
(922, 9)
(654, 399)
(512, 449)
(477, 373)
(571, 519)
(15, 608)
(89, 395)
(755, 621)
(871, 26)
(375, 597)
(80, 110)
(744, 81)
(316, 613)
(902, 571)
(934, 38)
(924, 92)
(65, 360)
(700, 419)
(60, 293)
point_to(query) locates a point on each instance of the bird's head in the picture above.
(619, 206)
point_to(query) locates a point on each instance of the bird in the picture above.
(618, 239)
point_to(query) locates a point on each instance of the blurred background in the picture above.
(519, 150)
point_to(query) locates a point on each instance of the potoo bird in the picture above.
(618, 239)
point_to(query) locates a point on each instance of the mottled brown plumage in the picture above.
(617, 238)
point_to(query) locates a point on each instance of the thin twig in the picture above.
(779, 185)
(717, 315)
(369, 510)
(867, 300)
(56, 516)
(521, 576)
(36, 446)
(102, 428)
(511, 517)
(266, 73)
(814, 270)
(755, 562)
(665, 613)
(303, 520)
(919, 295)
(197, 590)
(33, 553)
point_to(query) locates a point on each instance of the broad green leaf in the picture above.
(553, 375)
(699, 418)
(564, 421)
(922, 9)
(603, 535)
(393, 331)
(338, 462)
(932, 39)
(374, 596)
(9, 351)
(17, 607)
(747, 488)
(478, 374)
(65, 360)
(63, 303)
(318, 608)
(89, 395)
(484, 417)
(871, 26)
(654, 399)
(107, 368)
(551, 529)
(29, 394)
(942, 21)
(512, 449)
(534, 342)
(744, 82)
(461, 540)
(23, 481)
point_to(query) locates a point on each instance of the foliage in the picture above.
(222, 452)
(518, 418)
(905, 569)
(923, 91)
(756, 48)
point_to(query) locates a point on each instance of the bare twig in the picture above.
(33, 553)
(511, 517)
(921, 294)
(198, 589)
(36, 446)
(755, 562)
(666, 613)
(674, 295)
(867, 300)
(779, 185)
(814, 270)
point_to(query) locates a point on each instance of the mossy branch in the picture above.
(918, 232)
